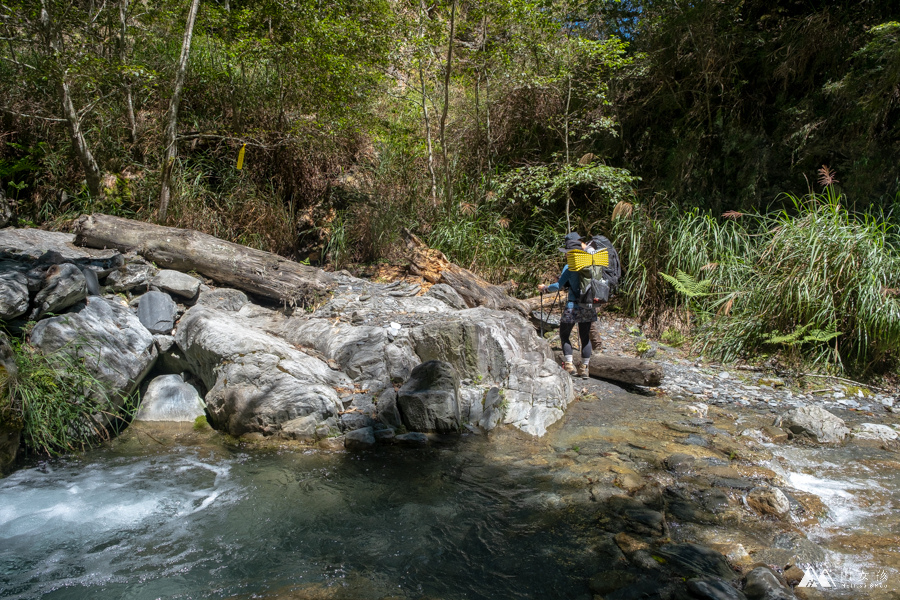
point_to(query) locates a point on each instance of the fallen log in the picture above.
(254, 271)
(626, 370)
(433, 266)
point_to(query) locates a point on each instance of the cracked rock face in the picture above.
(13, 295)
(256, 381)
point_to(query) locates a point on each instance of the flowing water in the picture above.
(502, 517)
(860, 487)
(189, 523)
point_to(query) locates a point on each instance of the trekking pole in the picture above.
(542, 314)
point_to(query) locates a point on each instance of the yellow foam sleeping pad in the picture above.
(579, 259)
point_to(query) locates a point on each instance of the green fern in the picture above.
(688, 285)
(803, 335)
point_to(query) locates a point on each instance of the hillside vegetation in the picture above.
(742, 155)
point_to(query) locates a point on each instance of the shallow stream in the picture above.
(508, 516)
(187, 523)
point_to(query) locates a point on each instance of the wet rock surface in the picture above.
(169, 398)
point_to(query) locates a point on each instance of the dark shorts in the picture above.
(578, 315)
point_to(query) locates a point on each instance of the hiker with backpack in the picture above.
(592, 270)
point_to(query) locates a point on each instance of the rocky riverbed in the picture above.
(720, 483)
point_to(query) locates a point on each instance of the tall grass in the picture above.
(60, 406)
(812, 267)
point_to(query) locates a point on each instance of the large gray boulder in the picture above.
(490, 347)
(13, 295)
(429, 400)
(63, 286)
(501, 349)
(115, 347)
(176, 282)
(169, 398)
(257, 382)
(816, 423)
(157, 311)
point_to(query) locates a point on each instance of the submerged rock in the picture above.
(169, 398)
(768, 501)
(762, 584)
(359, 439)
(713, 589)
(817, 423)
(429, 400)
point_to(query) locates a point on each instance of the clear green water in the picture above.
(442, 522)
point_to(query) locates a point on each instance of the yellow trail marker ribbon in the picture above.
(579, 259)
(240, 162)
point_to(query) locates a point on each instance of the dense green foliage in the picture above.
(815, 281)
(489, 127)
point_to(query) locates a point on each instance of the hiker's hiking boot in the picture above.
(583, 370)
(569, 368)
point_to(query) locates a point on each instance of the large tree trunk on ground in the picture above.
(434, 267)
(254, 271)
(626, 370)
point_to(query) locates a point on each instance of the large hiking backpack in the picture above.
(612, 272)
(592, 285)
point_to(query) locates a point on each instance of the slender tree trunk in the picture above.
(428, 137)
(171, 150)
(447, 103)
(129, 102)
(487, 96)
(568, 190)
(73, 121)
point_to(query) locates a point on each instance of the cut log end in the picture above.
(634, 371)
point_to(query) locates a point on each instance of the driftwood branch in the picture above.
(434, 267)
(260, 273)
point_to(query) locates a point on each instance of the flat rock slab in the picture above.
(31, 244)
(177, 283)
(169, 398)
